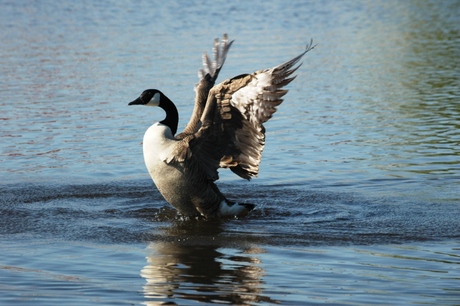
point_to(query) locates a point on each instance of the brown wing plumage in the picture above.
(232, 134)
(208, 75)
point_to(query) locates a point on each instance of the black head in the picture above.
(150, 97)
(153, 97)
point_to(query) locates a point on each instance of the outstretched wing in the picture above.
(208, 76)
(232, 134)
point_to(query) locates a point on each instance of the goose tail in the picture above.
(230, 209)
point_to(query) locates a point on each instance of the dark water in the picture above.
(120, 244)
(358, 196)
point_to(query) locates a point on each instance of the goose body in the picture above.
(183, 184)
(225, 131)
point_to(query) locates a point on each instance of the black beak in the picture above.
(138, 101)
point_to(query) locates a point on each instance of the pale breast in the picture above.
(183, 185)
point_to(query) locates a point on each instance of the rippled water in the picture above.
(358, 194)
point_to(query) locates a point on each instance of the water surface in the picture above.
(357, 197)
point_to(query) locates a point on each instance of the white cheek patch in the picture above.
(155, 101)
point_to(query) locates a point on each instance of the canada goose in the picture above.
(225, 131)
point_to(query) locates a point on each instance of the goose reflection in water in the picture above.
(192, 262)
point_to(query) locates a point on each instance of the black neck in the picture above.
(172, 116)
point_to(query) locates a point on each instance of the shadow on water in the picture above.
(210, 261)
(129, 212)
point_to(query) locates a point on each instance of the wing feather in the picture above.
(232, 134)
(208, 75)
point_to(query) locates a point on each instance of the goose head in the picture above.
(149, 97)
(154, 97)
